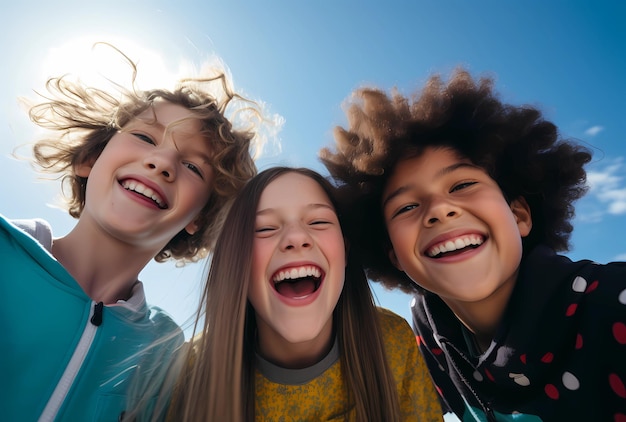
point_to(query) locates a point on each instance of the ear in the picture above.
(394, 259)
(521, 212)
(192, 227)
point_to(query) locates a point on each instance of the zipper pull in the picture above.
(96, 319)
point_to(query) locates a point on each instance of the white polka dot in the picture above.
(622, 297)
(520, 379)
(503, 356)
(413, 302)
(570, 381)
(478, 376)
(579, 285)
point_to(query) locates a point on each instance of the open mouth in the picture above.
(298, 282)
(145, 191)
(455, 246)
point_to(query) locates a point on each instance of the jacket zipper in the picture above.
(71, 370)
(486, 406)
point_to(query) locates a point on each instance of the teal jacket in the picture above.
(62, 356)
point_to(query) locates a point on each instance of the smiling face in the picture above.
(151, 180)
(298, 266)
(452, 230)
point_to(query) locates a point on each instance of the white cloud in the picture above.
(620, 257)
(607, 186)
(618, 208)
(616, 199)
(602, 180)
(594, 130)
(585, 216)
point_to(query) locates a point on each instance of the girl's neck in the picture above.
(276, 349)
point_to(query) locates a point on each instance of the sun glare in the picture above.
(95, 60)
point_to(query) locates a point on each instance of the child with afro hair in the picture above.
(466, 201)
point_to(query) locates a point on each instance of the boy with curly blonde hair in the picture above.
(151, 174)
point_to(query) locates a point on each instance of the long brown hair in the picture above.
(218, 383)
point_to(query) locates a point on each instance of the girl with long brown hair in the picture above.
(290, 326)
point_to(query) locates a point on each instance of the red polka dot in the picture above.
(489, 375)
(579, 341)
(619, 332)
(523, 358)
(436, 351)
(619, 417)
(439, 390)
(617, 385)
(552, 392)
(419, 340)
(592, 287)
(547, 358)
(571, 309)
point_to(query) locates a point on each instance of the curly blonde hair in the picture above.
(84, 118)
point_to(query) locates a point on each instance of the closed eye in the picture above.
(264, 229)
(319, 222)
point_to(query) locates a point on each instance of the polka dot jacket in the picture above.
(559, 353)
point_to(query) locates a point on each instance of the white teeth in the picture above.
(300, 272)
(459, 243)
(143, 190)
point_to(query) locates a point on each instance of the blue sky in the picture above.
(302, 59)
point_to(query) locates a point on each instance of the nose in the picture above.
(163, 162)
(439, 210)
(295, 237)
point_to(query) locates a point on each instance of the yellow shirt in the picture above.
(321, 397)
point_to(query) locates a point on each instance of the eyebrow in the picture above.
(200, 154)
(312, 206)
(442, 172)
(193, 151)
(151, 120)
(155, 122)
